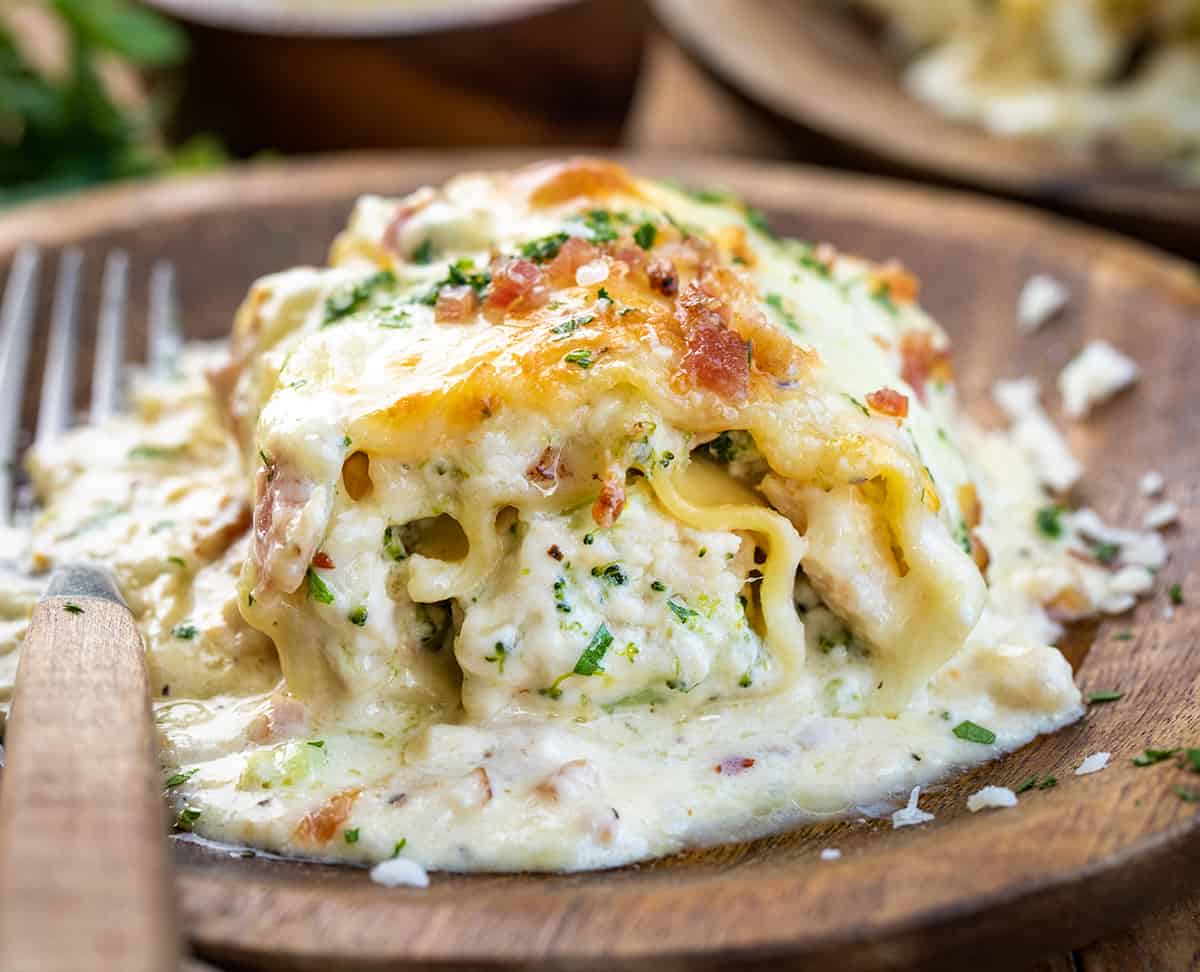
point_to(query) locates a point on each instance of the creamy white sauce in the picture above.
(561, 696)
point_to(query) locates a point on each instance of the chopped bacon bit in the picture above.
(920, 361)
(554, 551)
(406, 210)
(732, 765)
(485, 782)
(888, 401)
(611, 501)
(882, 342)
(900, 284)
(323, 560)
(281, 552)
(979, 552)
(516, 283)
(663, 276)
(572, 255)
(633, 257)
(969, 505)
(1068, 604)
(545, 472)
(319, 826)
(455, 305)
(716, 357)
(551, 183)
(285, 718)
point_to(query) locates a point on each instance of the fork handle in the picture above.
(85, 877)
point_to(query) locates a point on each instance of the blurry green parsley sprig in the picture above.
(63, 133)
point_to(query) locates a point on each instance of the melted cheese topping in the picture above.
(589, 522)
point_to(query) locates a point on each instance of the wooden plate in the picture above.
(815, 64)
(989, 889)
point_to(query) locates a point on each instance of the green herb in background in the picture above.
(59, 133)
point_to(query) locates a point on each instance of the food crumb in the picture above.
(400, 872)
(831, 854)
(991, 796)
(1041, 298)
(1162, 515)
(1152, 483)
(1093, 764)
(911, 815)
(1093, 376)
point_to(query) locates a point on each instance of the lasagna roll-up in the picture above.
(566, 438)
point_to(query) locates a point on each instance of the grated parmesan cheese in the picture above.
(1162, 515)
(831, 854)
(1041, 298)
(592, 273)
(398, 872)
(911, 815)
(1093, 764)
(991, 796)
(1036, 435)
(1152, 483)
(1094, 375)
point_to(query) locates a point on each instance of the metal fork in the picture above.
(84, 870)
(58, 379)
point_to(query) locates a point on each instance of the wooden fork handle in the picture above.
(84, 869)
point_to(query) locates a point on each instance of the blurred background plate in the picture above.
(316, 75)
(978, 891)
(815, 65)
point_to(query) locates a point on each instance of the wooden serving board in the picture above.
(812, 63)
(992, 889)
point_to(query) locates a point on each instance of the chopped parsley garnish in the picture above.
(349, 299)
(1175, 593)
(177, 561)
(589, 539)
(1027, 784)
(758, 220)
(391, 316)
(681, 611)
(358, 616)
(185, 632)
(657, 586)
(572, 325)
(1185, 794)
(1049, 521)
(611, 573)
(882, 295)
(1192, 757)
(1123, 636)
(590, 662)
(72, 608)
(745, 681)
(317, 743)
(186, 817)
(645, 235)
(1106, 553)
(972, 732)
(645, 696)
(580, 356)
(154, 452)
(178, 779)
(1107, 695)
(400, 845)
(560, 596)
(498, 656)
(350, 835)
(775, 302)
(857, 404)
(598, 225)
(318, 590)
(423, 254)
(1048, 783)
(1149, 757)
(807, 260)
(544, 248)
(393, 545)
(461, 273)
(711, 197)
(603, 294)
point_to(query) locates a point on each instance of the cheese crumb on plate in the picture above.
(1041, 298)
(991, 796)
(1093, 376)
(1093, 764)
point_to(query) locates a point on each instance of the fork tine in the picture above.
(16, 327)
(165, 338)
(58, 378)
(107, 370)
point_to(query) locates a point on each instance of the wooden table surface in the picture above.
(679, 107)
